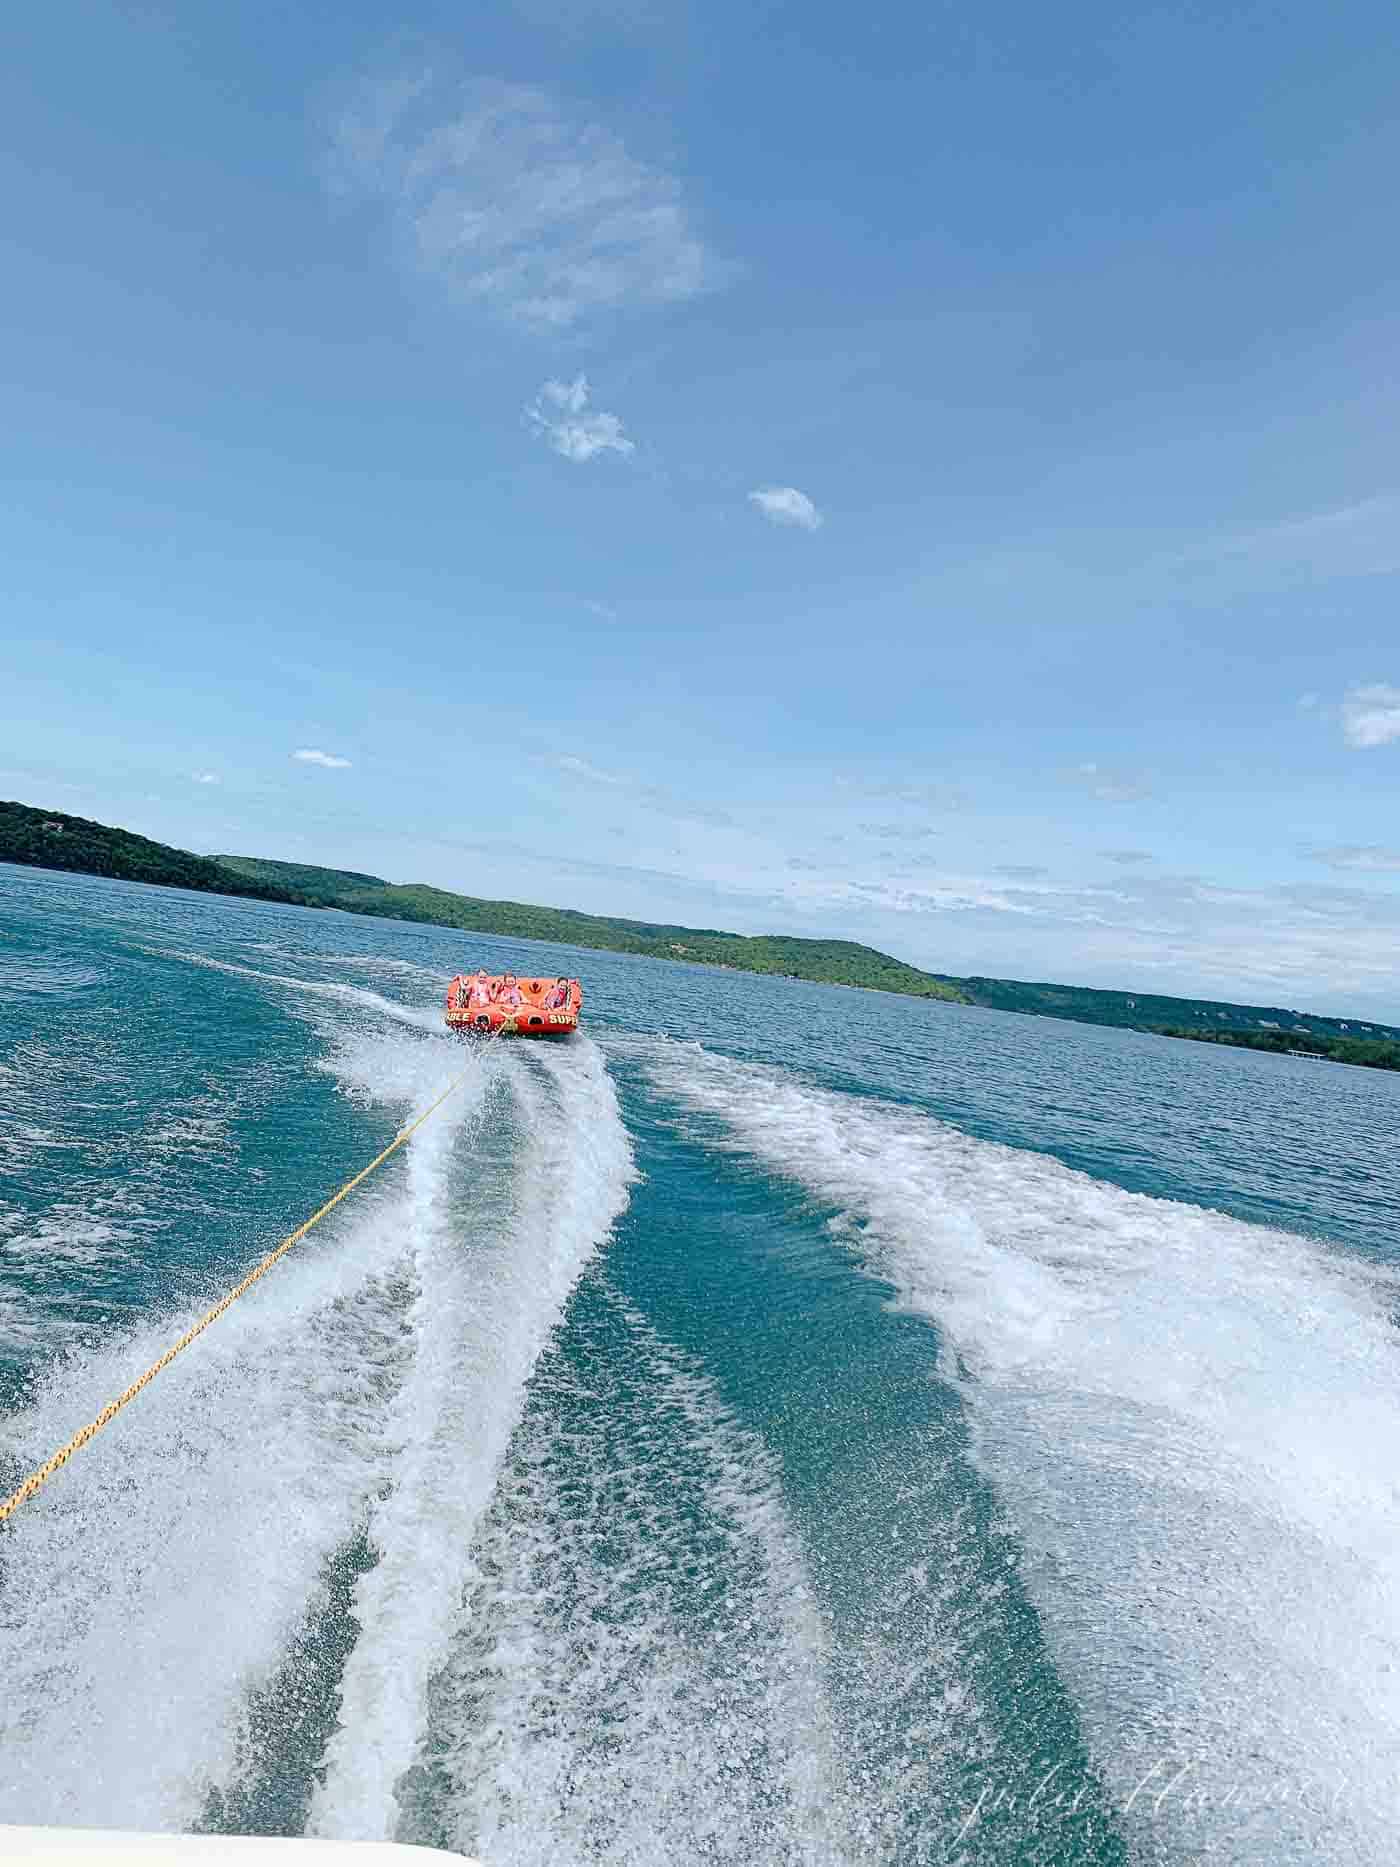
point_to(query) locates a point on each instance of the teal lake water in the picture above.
(784, 1425)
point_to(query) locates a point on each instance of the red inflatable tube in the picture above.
(489, 1004)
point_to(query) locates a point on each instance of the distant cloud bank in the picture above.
(560, 413)
(313, 755)
(784, 505)
(1369, 858)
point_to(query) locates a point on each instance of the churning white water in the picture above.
(1192, 1423)
(372, 1381)
(638, 1669)
(487, 1295)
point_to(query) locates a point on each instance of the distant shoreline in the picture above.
(1357, 1053)
(58, 841)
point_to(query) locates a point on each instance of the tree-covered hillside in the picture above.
(833, 962)
(51, 839)
(1149, 1011)
(1373, 1053)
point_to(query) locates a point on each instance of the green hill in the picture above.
(833, 962)
(1147, 1011)
(841, 962)
(52, 839)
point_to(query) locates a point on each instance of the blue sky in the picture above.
(925, 474)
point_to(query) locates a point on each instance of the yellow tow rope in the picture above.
(60, 1458)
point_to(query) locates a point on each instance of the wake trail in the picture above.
(636, 1671)
(144, 1597)
(1190, 1423)
(549, 1176)
(421, 1017)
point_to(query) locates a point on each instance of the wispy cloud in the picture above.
(519, 203)
(1111, 787)
(1359, 539)
(204, 777)
(784, 505)
(900, 832)
(638, 792)
(1371, 715)
(1126, 857)
(922, 795)
(560, 413)
(591, 774)
(313, 755)
(686, 810)
(1370, 858)
(603, 610)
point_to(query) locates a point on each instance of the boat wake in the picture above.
(360, 997)
(479, 1320)
(361, 1397)
(1190, 1423)
(637, 1668)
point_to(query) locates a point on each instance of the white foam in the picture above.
(423, 1017)
(638, 1674)
(492, 1279)
(1192, 1424)
(157, 1580)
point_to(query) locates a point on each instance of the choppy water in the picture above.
(789, 1425)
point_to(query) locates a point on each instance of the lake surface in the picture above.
(787, 1424)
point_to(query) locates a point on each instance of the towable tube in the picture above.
(483, 1005)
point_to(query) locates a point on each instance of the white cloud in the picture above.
(784, 505)
(204, 777)
(1110, 787)
(572, 396)
(1126, 857)
(560, 412)
(591, 774)
(518, 204)
(1371, 715)
(312, 755)
(604, 610)
(1371, 858)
